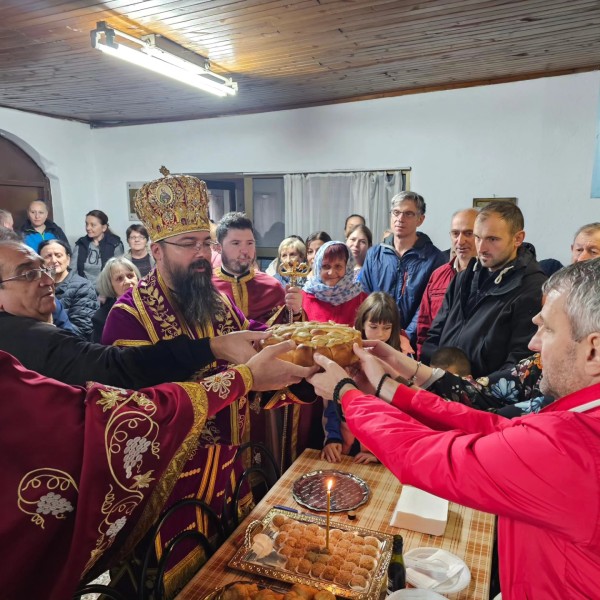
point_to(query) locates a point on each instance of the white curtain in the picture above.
(322, 201)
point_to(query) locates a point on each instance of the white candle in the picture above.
(329, 484)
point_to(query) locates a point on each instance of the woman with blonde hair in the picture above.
(291, 249)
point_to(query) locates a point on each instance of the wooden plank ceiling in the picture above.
(283, 53)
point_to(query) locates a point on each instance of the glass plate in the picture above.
(274, 565)
(347, 492)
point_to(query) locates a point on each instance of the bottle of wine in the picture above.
(396, 570)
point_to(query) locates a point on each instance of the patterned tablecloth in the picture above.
(469, 533)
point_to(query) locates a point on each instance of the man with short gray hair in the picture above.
(402, 264)
(462, 250)
(539, 473)
(586, 243)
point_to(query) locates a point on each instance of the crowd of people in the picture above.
(188, 303)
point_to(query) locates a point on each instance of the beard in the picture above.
(198, 299)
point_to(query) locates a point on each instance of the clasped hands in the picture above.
(376, 359)
(241, 347)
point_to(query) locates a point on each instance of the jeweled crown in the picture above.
(172, 205)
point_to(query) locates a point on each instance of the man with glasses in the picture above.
(402, 264)
(177, 297)
(27, 303)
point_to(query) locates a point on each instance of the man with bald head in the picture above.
(38, 227)
(462, 250)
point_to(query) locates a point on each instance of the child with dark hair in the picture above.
(451, 359)
(378, 319)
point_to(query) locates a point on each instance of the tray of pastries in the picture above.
(251, 590)
(292, 548)
(333, 340)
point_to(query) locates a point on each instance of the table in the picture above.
(469, 533)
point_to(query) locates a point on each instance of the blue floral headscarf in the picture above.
(345, 289)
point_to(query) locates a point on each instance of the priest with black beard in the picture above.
(176, 298)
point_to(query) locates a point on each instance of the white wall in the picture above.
(534, 140)
(63, 150)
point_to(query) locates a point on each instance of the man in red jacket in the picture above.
(462, 250)
(539, 473)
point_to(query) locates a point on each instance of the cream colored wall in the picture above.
(534, 140)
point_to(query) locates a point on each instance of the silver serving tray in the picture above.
(245, 559)
(347, 493)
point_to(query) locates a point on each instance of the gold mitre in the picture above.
(172, 205)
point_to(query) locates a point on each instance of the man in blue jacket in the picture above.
(402, 264)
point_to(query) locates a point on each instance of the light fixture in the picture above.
(163, 56)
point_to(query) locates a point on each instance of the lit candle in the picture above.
(329, 484)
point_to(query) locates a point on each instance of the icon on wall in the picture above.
(132, 188)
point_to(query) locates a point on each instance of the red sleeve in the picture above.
(424, 318)
(440, 414)
(534, 468)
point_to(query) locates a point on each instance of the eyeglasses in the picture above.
(32, 275)
(407, 214)
(137, 238)
(189, 246)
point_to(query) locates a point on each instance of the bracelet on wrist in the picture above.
(380, 384)
(411, 381)
(339, 385)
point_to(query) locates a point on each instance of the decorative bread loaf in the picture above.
(330, 339)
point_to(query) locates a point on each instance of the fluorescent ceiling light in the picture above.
(150, 55)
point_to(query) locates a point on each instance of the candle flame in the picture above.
(329, 484)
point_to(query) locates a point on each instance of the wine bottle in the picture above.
(396, 570)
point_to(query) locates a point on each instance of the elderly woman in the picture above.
(77, 294)
(332, 294)
(139, 253)
(118, 275)
(291, 249)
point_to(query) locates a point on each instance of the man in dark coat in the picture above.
(488, 308)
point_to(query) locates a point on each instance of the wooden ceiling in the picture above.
(283, 54)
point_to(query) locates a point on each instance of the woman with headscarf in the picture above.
(332, 294)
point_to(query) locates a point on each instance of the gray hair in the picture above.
(416, 198)
(4, 215)
(589, 228)
(7, 240)
(104, 284)
(580, 284)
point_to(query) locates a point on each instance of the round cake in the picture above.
(333, 340)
